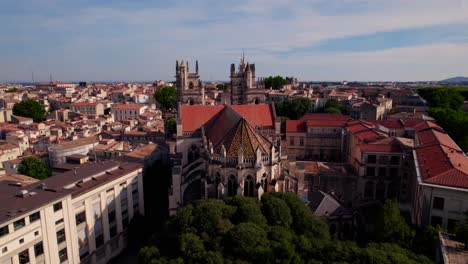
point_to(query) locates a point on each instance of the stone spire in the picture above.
(196, 67)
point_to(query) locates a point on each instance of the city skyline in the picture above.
(312, 40)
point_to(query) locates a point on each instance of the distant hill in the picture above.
(455, 80)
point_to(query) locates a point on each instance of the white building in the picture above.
(79, 216)
(123, 112)
(88, 108)
(58, 152)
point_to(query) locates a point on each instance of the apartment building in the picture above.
(80, 216)
(316, 137)
(88, 108)
(123, 112)
(8, 152)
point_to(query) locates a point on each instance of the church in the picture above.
(243, 87)
(226, 150)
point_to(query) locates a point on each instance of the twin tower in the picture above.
(243, 87)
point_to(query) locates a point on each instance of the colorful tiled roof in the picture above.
(243, 137)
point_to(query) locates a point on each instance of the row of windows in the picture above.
(394, 160)
(24, 255)
(382, 172)
(20, 223)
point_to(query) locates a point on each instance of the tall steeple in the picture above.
(196, 67)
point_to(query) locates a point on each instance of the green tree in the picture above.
(293, 109)
(391, 226)
(332, 110)
(454, 122)
(276, 82)
(248, 241)
(33, 167)
(166, 97)
(247, 210)
(30, 108)
(221, 86)
(276, 210)
(426, 241)
(171, 125)
(12, 90)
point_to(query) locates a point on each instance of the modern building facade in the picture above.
(79, 216)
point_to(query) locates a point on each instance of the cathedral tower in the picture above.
(188, 84)
(244, 87)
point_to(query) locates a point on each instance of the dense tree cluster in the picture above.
(275, 82)
(33, 167)
(166, 97)
(30, 108)
(278, 229)
(333, 106)
(293, 109)
(446, 110)
(444, 97)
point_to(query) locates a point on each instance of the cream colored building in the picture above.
(78, 216)
(123, 112)
(8, 152)
(88, 108)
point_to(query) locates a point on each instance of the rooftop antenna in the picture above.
(32, 75)
(50, 77)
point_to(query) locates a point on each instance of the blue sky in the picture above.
(310, 39)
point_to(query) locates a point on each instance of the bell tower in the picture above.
(188, 84)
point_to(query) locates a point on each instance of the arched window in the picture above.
(190, 85)
(232, 185)
(248, 186)
(192, 154)
(369, 190)
(256, 101)
(264, 182)
(217, 181)
(286, 185)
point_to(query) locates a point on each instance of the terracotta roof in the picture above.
(8, 147)
(380, 148)
(194, 117)
(296, 126)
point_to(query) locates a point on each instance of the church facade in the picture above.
(243, 86)
(225, 151)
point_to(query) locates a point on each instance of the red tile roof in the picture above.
(440, 160)
(295, 126)
(195, 116)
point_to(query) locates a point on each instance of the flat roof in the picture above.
(86, 177)
(73, 144)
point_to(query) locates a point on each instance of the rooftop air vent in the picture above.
(22, 193)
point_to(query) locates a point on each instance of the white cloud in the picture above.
(216, 31)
